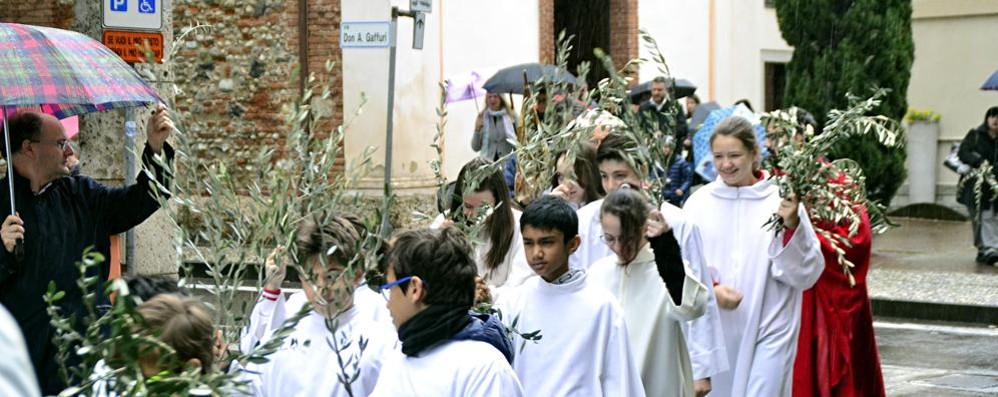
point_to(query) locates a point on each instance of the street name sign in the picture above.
(133, 14)
(421, 5)
(365, 34)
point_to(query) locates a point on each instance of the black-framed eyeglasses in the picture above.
(62, 144)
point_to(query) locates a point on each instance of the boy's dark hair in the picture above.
(551, 213)
(318, 234)
(23, 126)
(147, 287)
(442, 258)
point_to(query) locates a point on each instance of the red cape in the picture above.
(836, 352)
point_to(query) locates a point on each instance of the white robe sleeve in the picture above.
(620, 376)
(694, 302)
(705, 337)
(267, 314)
(799, 263)
(519, 272)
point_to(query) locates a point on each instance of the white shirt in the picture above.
(704, 336)
(453, 368)
(583, 349)
(592, 248)
(761, 334)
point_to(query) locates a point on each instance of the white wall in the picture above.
(681, 29)
(481, 36)
(460, 36)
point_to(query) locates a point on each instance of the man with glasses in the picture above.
(58, 217)
(430, 281)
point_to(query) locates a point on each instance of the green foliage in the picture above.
(236, 226)
(832, 191)
(845, 47)
(922, 116)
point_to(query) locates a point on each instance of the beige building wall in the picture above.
(460, 36)
(956, 49)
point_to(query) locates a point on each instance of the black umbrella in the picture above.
(681, 89)
(511, 79)
(701, 112)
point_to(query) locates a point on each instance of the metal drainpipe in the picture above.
(302, 47)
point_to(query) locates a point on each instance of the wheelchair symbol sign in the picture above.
(147, 6)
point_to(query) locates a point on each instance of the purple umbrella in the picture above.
(465, 86)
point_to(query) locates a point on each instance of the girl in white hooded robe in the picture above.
(761, 274)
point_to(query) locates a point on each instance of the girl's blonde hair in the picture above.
(184, 324)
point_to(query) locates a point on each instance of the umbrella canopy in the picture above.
(702, 159)
(992, 83)
(701, 112)
(464, 86)
(510, 79)
(65, 73)
(682, 88)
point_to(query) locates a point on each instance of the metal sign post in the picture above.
(417, 16)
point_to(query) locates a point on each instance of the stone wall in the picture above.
(52, 13)
(235, 75)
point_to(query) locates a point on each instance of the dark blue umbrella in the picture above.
(511, 79)
(682, 88)
(992, 83)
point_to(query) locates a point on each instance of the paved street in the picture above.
(921, 359)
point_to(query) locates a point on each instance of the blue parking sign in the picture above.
(147, 6)
(119, 5)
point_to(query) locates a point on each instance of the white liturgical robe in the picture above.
(654, 322)
(761, 333)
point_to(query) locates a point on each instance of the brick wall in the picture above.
(546, 33)
(236, 77)
(623, 32)
(52, 13)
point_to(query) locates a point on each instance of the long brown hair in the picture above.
(586, 172)
(631, 208)
(500, 224)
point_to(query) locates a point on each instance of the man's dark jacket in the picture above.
(977, 147)
(69, 215)
(650, 115)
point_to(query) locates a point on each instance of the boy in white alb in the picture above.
(430, 281)
(308, 362)
(584, 350)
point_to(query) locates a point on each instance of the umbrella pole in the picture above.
(10, 162)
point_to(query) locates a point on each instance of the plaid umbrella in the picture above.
(65, 74)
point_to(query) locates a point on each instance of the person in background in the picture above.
(500, 260)
(656, 115)
(578, 183)
(678, 178)
(494, 129)
(980, 145)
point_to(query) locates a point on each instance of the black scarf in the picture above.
(434, 324)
